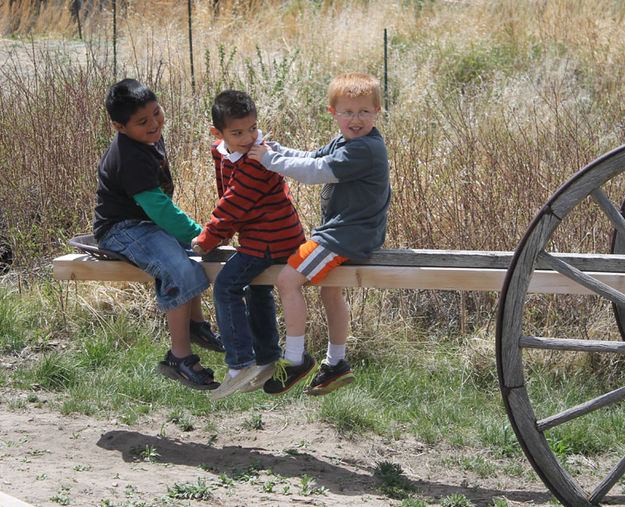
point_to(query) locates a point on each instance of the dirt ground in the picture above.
(48, 459)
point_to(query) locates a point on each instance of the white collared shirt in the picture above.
(233, 157)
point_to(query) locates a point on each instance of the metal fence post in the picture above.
(75, 10)
(191, 48)
(115, 39)
(385, 74)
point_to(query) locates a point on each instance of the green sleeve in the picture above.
(164, 213)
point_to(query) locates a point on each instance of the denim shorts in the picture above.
(178, 278)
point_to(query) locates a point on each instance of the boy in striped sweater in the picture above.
(256, 204)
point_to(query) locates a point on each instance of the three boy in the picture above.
(256, 203)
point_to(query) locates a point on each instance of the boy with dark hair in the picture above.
(256, 204)
(354, 201)
(136, 217)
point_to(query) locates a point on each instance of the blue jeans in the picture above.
(246, 314)
(178, 278)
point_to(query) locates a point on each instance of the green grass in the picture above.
(456, 500)
(436, 391)
(429, 395)
(392, 481)
(188, 491)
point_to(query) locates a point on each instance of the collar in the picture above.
(233, 157)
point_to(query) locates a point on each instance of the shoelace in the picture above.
(280, 373)
(318, 368)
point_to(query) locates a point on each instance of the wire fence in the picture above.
(82, 10)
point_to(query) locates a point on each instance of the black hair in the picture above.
(125, 97)
(231, 104)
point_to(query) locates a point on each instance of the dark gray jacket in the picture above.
(356, 192)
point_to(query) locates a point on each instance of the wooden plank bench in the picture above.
(406, 268)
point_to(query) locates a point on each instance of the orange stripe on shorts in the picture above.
(314, 261)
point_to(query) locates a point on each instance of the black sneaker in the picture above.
(330, 378)
(287, 375)
(201, 334)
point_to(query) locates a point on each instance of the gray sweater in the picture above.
(356, 192)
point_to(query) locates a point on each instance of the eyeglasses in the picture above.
(349, 115)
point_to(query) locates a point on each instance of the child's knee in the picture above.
(289, 279)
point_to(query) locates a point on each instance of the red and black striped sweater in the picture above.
(257, 204)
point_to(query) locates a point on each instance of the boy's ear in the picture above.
(120, 127)
(216, 132)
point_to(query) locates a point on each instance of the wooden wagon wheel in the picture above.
(513, 346)
(618, 247)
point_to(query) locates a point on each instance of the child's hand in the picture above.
(197, 248)
(257, 151)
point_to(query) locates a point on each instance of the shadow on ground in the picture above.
(337, 476)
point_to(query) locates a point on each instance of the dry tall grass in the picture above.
(492, 106)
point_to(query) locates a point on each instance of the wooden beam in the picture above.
(85, 267)
(614, 263)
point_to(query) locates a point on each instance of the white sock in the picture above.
(335, 353)
(294, 349)
(233, 373)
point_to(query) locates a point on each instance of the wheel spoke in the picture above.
(583, 279)
(581, 409)
(538, 342)
(610, 210)
(607, 483)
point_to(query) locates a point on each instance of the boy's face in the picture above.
(240, 134)
(145, 125)
(355, 116)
